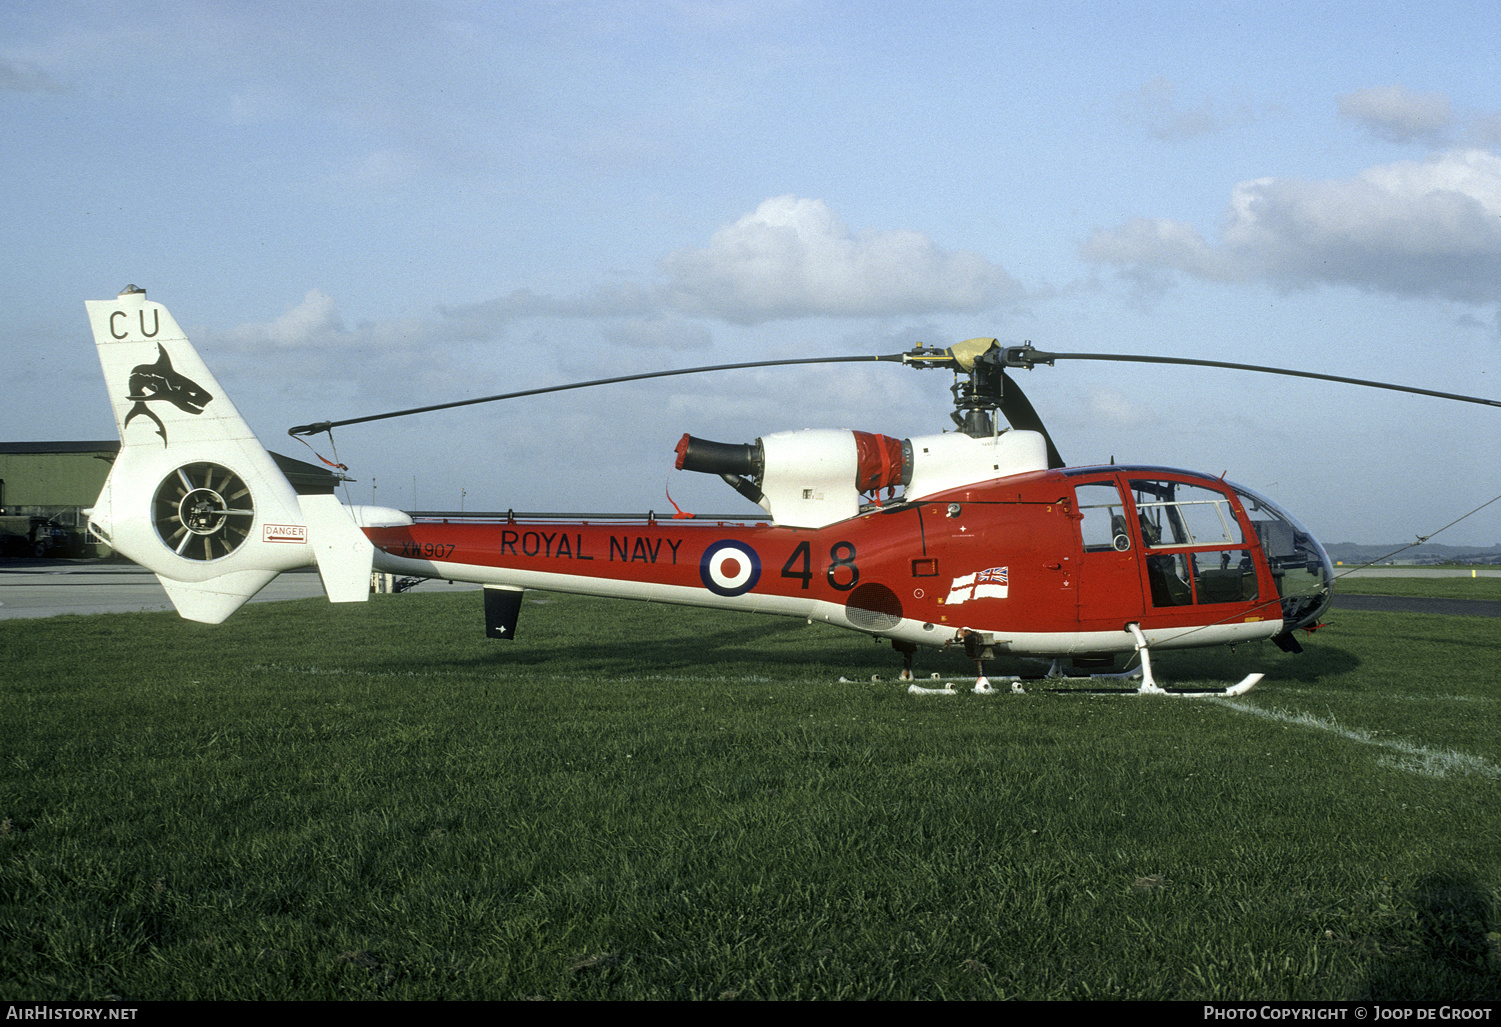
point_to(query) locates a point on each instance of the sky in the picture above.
(361, 207)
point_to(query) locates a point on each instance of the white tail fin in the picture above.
(193, 495)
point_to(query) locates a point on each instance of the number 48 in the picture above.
(841, 559)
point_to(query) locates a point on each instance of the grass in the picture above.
(1424, 588)
(638, 802)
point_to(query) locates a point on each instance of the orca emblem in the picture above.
(158, 381)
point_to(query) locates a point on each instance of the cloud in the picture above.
(671, 333)
(1415, 228)
(312, 323)
(1117, 409)
(1397, 115)
(613, 299)
(380, 169)
(1156, 104)
(605, 302)
(1485, 130)
(792, 257)
(17, 79)
(789, 258)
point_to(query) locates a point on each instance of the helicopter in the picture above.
(984, 540)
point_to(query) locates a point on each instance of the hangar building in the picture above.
(45, 487)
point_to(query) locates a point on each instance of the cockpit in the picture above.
(1195, 549)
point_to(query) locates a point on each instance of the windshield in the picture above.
(1299, 564)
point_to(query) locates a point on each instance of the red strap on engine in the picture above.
(880, 461)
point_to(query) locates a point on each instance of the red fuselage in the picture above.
(1011, 558)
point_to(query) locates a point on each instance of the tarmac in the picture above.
(1409, 604)
(48, 588)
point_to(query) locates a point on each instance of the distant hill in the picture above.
(1428, 552)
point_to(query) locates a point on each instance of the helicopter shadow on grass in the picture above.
(1449, 949)
(658, 639)
(1318, 663)
(560, 633)
(654, 640)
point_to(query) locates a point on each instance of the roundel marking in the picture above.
(729, 568)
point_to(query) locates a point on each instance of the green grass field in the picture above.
(1427, 588)
(646, 802)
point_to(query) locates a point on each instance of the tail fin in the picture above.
(193, 495)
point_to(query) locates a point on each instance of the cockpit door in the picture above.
(1108, 578)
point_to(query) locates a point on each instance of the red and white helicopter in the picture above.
(986, 541)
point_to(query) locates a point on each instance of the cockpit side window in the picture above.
(1175, 514)
(1104, 525)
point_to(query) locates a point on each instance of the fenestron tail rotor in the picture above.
(203, 511)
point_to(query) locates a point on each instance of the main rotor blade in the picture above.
(1020, 413)
(322, 426)
(1026, 356)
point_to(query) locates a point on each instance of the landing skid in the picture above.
(1241, 687)
(981, 685)
(1021, 686)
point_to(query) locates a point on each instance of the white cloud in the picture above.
(311, 323)
(1116, 408)
(1417, 228)
(1398, 115)
(671, 333)
(259, 104)
(608, 299)
(1156, 104)
(792, 257)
